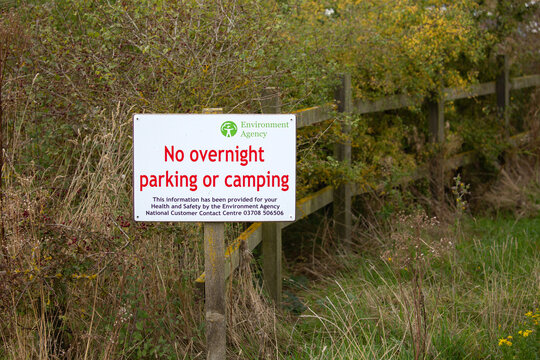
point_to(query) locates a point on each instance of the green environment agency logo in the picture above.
(229, 129)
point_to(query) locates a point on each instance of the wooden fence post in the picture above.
(435, 107)
(436, 119)
(502, 88)
(271, 231)
(270, 101)
(214, 285)
(342, 152)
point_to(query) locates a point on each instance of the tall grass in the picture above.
(473, 295)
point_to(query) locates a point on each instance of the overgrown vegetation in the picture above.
(420, 287)
(79, 279)
(452, 302)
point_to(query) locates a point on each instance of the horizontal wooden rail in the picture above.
(314, 115)
(312, 203)
(471, 91)
(391, 102)
(459, 160)
(317, 114)
(521, 139)
(525, 82)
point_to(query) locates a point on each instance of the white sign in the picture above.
(210, 167)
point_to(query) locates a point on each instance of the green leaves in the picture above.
(389, 47)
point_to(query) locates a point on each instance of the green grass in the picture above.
(474, 294)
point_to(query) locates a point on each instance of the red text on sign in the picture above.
(242, 156)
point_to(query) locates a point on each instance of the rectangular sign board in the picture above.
(214, 167)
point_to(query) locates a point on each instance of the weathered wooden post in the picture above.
(271, 231)
(436, 119)
(214, 285)
(214, 267)
(342, 152)
(435, 106)
(502, 88)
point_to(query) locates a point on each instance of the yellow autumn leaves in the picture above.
(395, 45)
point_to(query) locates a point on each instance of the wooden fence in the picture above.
(269, 233)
